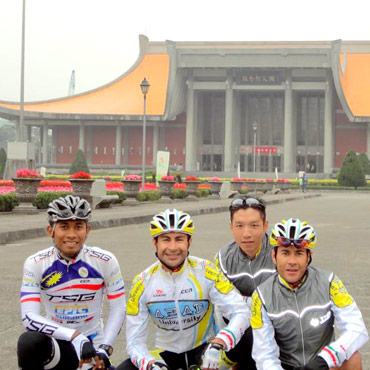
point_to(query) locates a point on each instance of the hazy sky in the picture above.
(99, 38)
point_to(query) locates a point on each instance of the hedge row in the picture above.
(8, 202)
(43, 199)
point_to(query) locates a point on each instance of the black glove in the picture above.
(317, 363)
(83, 347)
(157, 365)
(104, 356)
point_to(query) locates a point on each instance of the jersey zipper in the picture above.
(300, 325)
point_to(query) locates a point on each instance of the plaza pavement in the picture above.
(342, 221)
(14, 227)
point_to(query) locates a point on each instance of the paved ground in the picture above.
(341, 219)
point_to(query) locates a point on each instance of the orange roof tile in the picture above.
(355, 82)
(122, 96)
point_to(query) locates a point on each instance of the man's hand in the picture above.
(103, 356)
(212, 356)
(317, 363)
(86, 352)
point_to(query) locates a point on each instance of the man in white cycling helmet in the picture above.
(294, 311)
(179, 292)
(70, 279)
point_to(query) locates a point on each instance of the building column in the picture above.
(328, 127)
(54, 145)
(44, 144)
(29, 133)
(118, 144)
(125, 145)
(81, 140)
(89, 145)
(228, 144)
(289, 138)
(190, 155)
(155, 143)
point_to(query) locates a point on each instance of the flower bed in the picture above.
(7, 189)
(6, 183)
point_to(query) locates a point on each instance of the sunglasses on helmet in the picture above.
(245, 203)
(298, 243)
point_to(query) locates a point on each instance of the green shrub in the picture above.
(8, 202)
(351, 172)
(365, 163)
(43, 199)
(243, 191)
(2, 162)
(79, 163)
(121, 195)
(179, 194)
(203, 193)
(148, 196)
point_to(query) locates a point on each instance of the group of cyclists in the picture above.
(259, 305)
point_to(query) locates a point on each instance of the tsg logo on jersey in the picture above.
(165, 313)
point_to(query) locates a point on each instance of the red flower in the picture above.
(191, 178)
(80, 175)
(167, 178)
(214, 178)
(25, 173)
(132, 177)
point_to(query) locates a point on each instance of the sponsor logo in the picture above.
(101, 256)
(166, 315)
(71, 298)
(184, 291)
(51, 279)
(71, 312)
(41, 327)
(83, 272)
(315, 322)
(41, 256)
(159, 293)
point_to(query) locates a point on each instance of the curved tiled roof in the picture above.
(355, 81)
(122, 96)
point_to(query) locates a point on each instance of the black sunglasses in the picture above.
(245, 203)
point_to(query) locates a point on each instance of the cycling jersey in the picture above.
(72, 294)
(245, 274)
(188, 294)
(299, 322)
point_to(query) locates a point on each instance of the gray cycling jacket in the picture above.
(245, 274)
(292, 326)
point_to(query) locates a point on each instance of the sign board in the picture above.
(21, 150)
(163, 160)
(258, 77)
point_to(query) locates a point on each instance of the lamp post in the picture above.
(21, 116)
(255, 128)
(144, 89)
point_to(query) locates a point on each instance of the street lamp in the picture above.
(144, 89)
(254, 127)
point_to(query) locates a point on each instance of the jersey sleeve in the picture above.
(265, 349)
(115, 290)
(31, 303)
(349, 321)
(137, 325)
(231, 305)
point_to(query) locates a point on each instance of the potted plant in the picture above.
(216, 184)
(237, 183)
(131, 187)
(81, 184)
(26, 183)
(166, 184)
(191, 183)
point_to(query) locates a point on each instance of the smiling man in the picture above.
(179, 292)
(294, 311)
(246, 262)
(70, 279)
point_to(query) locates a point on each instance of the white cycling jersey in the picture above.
(188, 294)
(72, 294)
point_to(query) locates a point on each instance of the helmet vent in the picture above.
(181, 224)
(171, 218)
(292, 232)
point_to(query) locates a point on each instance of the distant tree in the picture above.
(351, 172)
(79, 163)
(2, 162)
(365, 163)
(7, 133)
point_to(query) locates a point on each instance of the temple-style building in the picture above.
(217, 105)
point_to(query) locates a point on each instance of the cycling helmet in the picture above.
(69, 207)
(168, 221)
(293, 232)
